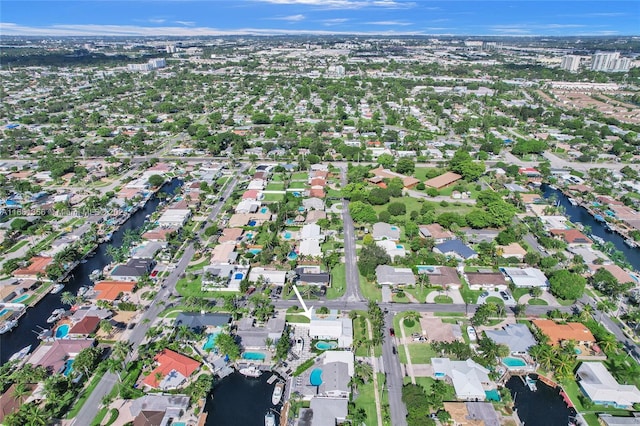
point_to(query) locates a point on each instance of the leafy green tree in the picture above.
(362, 213)
(227, 345)
(156, 180)
(567, 285)
(406, 166)
(370, 257)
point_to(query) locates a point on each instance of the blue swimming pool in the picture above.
(293, 255)
(252, 223)
(427, 269)
(255, 250)
(264, 210)
(316, 377)
(254, 356)
(296, 194)
(211, 342)
(249, 235)
(399, 246)
(238, 276)
(323, 346)
(62, 331)
(21, 298)
(68, 368)
(287, 235)
(513, 362)
(2, 312)
(578, 351)
(492, 395)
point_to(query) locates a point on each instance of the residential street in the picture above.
(393, 373)
(352, 293)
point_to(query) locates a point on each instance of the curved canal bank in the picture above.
(543, 407)
(36, 316)
(580, 214)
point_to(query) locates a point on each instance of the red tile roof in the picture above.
(169, 361)
(110, 290)
(572, 236)
(86, 325)
(38, 264)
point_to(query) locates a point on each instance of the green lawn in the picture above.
(18, 246)
(188, 288)
(572, 390)
(277, 178)
(300, 176)
(198, 266)
(421, 172)
(519, 292)
(369, 290)
(495, 300)
(539, 302)
(338, 282)
(421, 353)
(420, 293)
(301, 319)
(412, 204)
(409, 328)
(360, 332)
(273, 197)
(442, 299)
(366, 400)
(275, 186)
(469, 296)
(298, 185)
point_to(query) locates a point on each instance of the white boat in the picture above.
(57, 288)
(269, 419)
(8, 326)
(95, 275)
(573, 202)
(250, 371)
(531, 384)
(471, 332)
(83, 290)
(597, 239)
(630, 243)
(56, 315)
(277, 393)
(20, 354)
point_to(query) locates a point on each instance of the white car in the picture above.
(471, 332)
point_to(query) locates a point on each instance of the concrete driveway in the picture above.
(509, 302)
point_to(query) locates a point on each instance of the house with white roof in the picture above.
(392, 248)
(601, 387)
(269, 276)
(385, 231)
(469, 379)
(526, 277)
(332, 328)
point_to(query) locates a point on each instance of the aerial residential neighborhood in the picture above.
(319, 230)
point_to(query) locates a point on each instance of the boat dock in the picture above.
(272, 379)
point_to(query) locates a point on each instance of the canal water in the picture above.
(543, 407)
(239, 400)
(580, 214)
(24, 333)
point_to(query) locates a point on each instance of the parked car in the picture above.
(392, 332)
(504, 295)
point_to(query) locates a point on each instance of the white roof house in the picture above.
(340, 329)
(385, 231)
(526, 277)
(389, 275)
(310, 231)
(602, 388)
(392, 248)
(468, 377)
(270, 276)
(310, 248)
(256, 184)
(174, 218)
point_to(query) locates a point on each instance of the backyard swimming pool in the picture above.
(62, 331)
(21, 298)
(264, 210)
(255, 250)
(514, 362)
(492, 395)
(426, 269)
(68, 368)
(287, 235)
(211, 342)
(323, 346)
(254, 356)
(293, 255)
(316, 377)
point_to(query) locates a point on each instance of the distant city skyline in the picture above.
(284, 17)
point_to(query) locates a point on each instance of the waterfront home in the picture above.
(202, 321)
(83, 328)
(526, 277)
(254, 337)
(331, 327)
(53, 356)
(472, 413)
(572, 237)
(437, 232)
(618, 273)
(147, 250)
(174, 218)
(443, 181)
(486, 281)
(597, 383)
(223, 277)
(607, 419)
(11, 401)
(517, 337)
(469, 379)
(325, 412)
(328, 377)
(133, 270)
(455, 248)
(37, 268)
(172, 371)
(155, 410)
(269, 276)
(443, 276)
(389, 275)
(560, 334)
(158, 234)
(385, 231)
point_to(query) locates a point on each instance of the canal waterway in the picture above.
(580, 214)
(543, 407)
(240, 400)
(35, 318)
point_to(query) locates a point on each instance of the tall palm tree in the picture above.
(34, 415)
(68, 298)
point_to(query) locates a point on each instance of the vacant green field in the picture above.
(275, 186)
(298, 185)
(273, 197)
(421, 172)
(338, 282)
(303, 176)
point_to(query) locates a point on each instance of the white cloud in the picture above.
(291, 18)
(346, 4)
(390, 23)
(157, 20)
(334, 21)
(186, 23)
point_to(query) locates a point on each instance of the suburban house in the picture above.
(224, 253)
(455, 248)
(202, 321)
(232, 235)
(385, 231)
(84, 327)
(268, 276)
(472, 413)
(174, 218)
(172, 371)
(607, 419)
(331, 327)
(443, 276)
(618, 273)
(512, 250)
(314, 216)
(155, 409)
(437, 232)
(310, 248)
(12, 400)
(36, 269)
(112, 290)
(312, 275)
(407, 181)
(486, 281)
(313, 204)
(239, 220)
(54, 356)
(389, 275)
(252, 337)
(392, 248)
(517, 337)
(223, 277)
(526, 277)
(558, 334)
(337, 369)
(572, 237)
(147, 250)
(248, 206)
(325, 412)
(469, 379)
(442, 181)
(133, 270)
(597, 383)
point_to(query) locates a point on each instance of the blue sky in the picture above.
(215, 17)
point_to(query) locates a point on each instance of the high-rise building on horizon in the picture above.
(570, 63)
(610, 62)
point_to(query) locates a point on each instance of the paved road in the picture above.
(393, 374)
(90, 408)
(352, 293)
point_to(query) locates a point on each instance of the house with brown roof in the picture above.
(37, 268)
(443, 276)
(407, 181)
(172, 371)
(437, 232)
(85, 327)
(512, 250)
(486, 280)
(572, 237)
(111, 290)
(442, 181)
(558, 333)
(318, 182)
(11, 401)
(618, 273)
(159, 234)
(317, 193)
(230, 235)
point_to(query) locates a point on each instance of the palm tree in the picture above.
(34, 415)
(67, 298)
(106, 326)
(120, 350)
